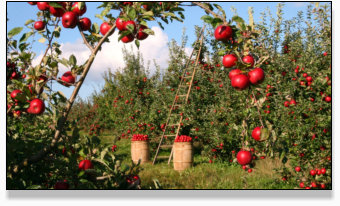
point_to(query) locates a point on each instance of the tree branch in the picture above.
(49, 44)
(84, 39)
(211, 12)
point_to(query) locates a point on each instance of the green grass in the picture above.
(204, 175)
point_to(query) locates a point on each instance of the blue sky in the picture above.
(70, 38)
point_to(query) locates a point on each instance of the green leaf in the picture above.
(25, 36)
(81, 173)
(55, 4)
(81, 5)
(95, 28)
(160, 25)
(208, 19)
(238, 19)
(264, 134)
(29, 21)
(131, 28)
(72, 60)
(148, 13)
(221, 53)
(132, 13)
(14, 31)
(137, 43)
(149, 31)
(99, 17)
(33, 187)
(83, 180)
(221, 10)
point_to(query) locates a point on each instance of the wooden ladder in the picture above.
(180, 94)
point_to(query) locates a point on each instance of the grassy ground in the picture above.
(205, 175)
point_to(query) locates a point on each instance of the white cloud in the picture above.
(111, 56)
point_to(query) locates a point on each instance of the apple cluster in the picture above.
(139, 137)
(239, 80)
(70, 15)
(183, 138)
(12, 71)
(137, 30)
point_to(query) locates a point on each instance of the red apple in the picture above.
(70, 19)
(14, 94)
(85, 24)
(104, 28)
(286, 103)
(302, 184)
(312, 172)
(120, 24)
(229, 60)
(256, 76)
(234, 72)
(297, 169)
(328, 99)
(32, 2)
(256, 134)
(85, 164)
(128, 38)
(309, 79)
(77, 10)
(58, 12)
(244, 157)
(141, 35)
(248, 60)
(37, 106)
(223, 33)
(292, 102)
(43, 6)
(39, 25)
(323, 171)
(68, 77)
(240, 81)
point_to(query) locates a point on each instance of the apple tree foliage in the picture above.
(221, 119)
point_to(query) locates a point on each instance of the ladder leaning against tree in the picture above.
(183, 91)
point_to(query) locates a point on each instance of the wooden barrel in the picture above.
(140, 150)
(183, 155)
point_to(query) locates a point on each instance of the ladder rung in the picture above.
(166, 146)
(163, 157)
(177, 105)
(170, 135)
(171, 126)
(182, 95)
(187, 77)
